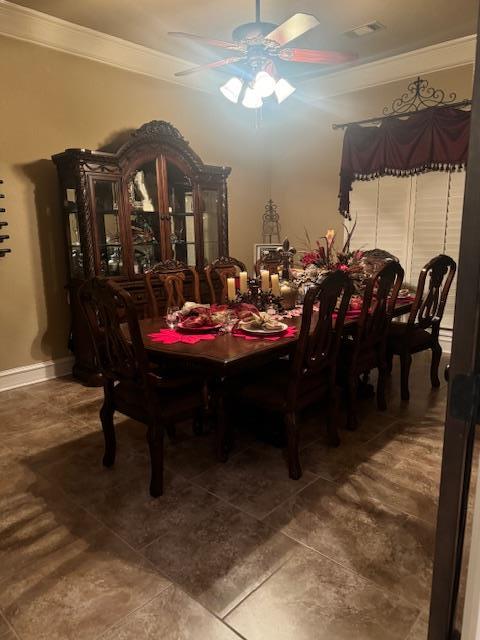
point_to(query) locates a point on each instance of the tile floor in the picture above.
(233, 550)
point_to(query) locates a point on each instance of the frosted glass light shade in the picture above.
(264, 84)
(283, 89)
(231, 89)
(251, 99)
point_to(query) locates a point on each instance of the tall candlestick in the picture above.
(231, 288)
(243, 282)
(275, 285)
(265, 279)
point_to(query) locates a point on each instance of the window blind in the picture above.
(415, 218)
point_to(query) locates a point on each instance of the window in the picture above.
(414, 218)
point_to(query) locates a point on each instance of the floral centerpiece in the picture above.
(325, 257)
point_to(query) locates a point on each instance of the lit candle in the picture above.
(265, 279)
(231, 288)
(243, 281)
(275, 284)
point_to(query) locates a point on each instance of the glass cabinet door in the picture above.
(75, 252)
(181, 215)
(210, 224)
(145, 217)
(106, 196)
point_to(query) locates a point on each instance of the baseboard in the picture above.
(33, 373)
(445, 339)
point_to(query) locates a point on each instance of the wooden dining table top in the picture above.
(228, 353)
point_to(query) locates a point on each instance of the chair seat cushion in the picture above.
(268, 387)
(416, 340)
(171, 402)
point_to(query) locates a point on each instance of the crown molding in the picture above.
(437, 57)
(42, 29)
(39, 28)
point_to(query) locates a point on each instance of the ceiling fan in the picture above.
(255, 48)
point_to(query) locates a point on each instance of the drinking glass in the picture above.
(172, 317)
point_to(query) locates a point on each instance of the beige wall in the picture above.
(306, 151)
(50, 101)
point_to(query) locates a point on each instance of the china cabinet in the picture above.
(152, 200)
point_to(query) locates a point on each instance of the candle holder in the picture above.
(260, 299)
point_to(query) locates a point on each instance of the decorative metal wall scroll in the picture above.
(271, 223)
(3, 236)
(420, 96)
(417, 97)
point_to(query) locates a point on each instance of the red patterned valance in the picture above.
(434, 140)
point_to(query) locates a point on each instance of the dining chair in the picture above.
(365, 348)
(131, 385)
(287, 386)
(420, 332)
(271, 260)
(221, 269)
(171, 273)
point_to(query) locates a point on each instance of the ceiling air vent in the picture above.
(365, 29)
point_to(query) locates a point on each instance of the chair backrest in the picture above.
(427, 310)
(171, 273)
(318, 343)
(107, 306)
(271, 260)
(222, 268)
(379, 299)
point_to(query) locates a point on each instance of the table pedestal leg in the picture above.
(222, 426)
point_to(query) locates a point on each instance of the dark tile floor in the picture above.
(233, 550)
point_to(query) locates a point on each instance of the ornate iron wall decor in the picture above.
(271, 223)
(3, 236)
(420, 96)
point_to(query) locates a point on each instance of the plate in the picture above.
(183, 329)
(266, 332)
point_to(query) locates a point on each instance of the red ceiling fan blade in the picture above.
(292, 28)
(210, 65)
(232, 46)
(315, 57)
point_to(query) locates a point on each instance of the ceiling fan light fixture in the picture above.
(264, 84)
(283, 89)
(251, 99)
(232, 89)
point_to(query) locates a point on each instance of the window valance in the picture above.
(435, 139)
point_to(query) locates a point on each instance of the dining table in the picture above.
(226, 356)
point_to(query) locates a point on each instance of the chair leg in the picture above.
(389, 362)
(382, 379)
(155, 444)
(405, 364)
(436, 357)
(291, 427)
(352, 422)
(106, 417)
(198, 420)
(332, 418)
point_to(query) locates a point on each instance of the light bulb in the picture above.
(283, 89)
(251, 99)
(231, 89)
(264, 84)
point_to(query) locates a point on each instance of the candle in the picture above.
(275, 284)
(231, 288)
(243, 281)
(265, 279)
